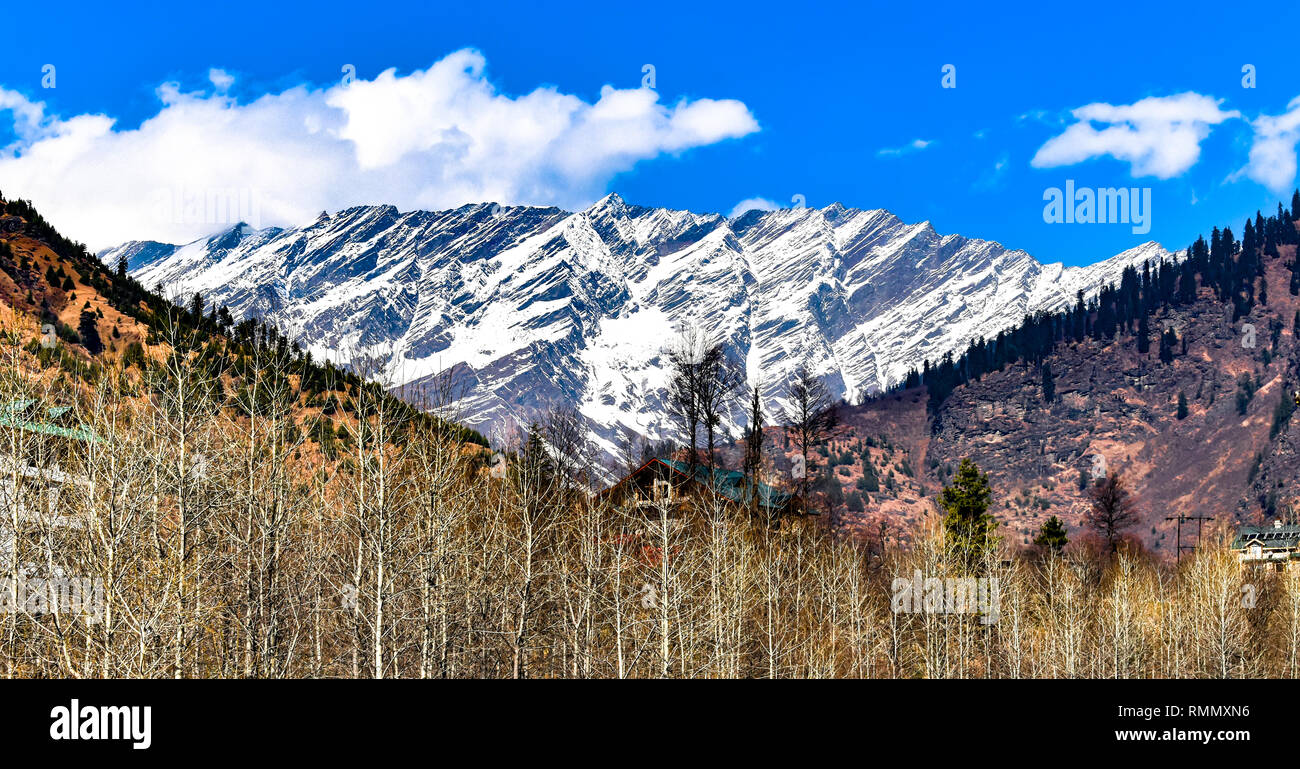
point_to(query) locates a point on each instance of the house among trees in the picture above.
(35, 443)
(670, 484)
(1263, 547)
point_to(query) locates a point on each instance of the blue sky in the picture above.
(834, 103)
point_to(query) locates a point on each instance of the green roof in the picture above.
(26, 414)
(1287, 536)
(733, 485)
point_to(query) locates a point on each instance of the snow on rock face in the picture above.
(518, 309)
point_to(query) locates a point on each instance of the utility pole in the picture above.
(1179, 547)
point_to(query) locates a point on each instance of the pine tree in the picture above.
(1167, 341)
(1245, 393)
(1049, 386)
(967, 523)
(1144, 335)
(1052, 536)
(754, 435)
(1182, 405)
(870, 481)
(89, 333)
(1282, 412)
(855, 503)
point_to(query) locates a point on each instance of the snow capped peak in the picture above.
(1149, 250)
(612, 203)
(230, 237)
(520, 308)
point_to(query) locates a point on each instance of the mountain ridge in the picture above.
(523, 308)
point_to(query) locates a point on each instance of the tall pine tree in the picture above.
(968, 526)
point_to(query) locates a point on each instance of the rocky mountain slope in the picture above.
(514, 310)
(1230, 455)
(71, 322)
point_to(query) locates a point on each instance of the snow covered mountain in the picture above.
(517, 309)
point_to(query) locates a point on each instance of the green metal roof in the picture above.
(24, 414)
(1287, 536)
(733, 485)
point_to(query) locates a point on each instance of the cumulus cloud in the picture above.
(916, 145)
(1158, 136)
(752, 204)
(434, 138)
(1273, 152)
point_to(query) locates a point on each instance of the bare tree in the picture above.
(809, 414)
(683, 390)
(1112, 510)
(716, 385)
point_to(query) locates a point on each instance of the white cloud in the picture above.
(752, 204)
(27, 117)
(1273, 153)
(993, 179)
(1159, 136)
(916, 145)
(221, 79)
(435, 138)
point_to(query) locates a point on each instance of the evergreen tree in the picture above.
(1144, 335)
(754, 436)
(1182, 405)
(196, 307)
(1245, 393)
(855, 503)
(89, 333)
(1167, 341)
(1052, 537)
(1049, 386)
(870, 481)
(968, 526)
(1282, 412)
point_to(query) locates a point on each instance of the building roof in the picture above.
(1285, 536)
(730, 484)
(27, 414)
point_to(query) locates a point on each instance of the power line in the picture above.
(1179, 547)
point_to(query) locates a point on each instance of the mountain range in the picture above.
(518, 309)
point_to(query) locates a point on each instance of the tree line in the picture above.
(1229, 268)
